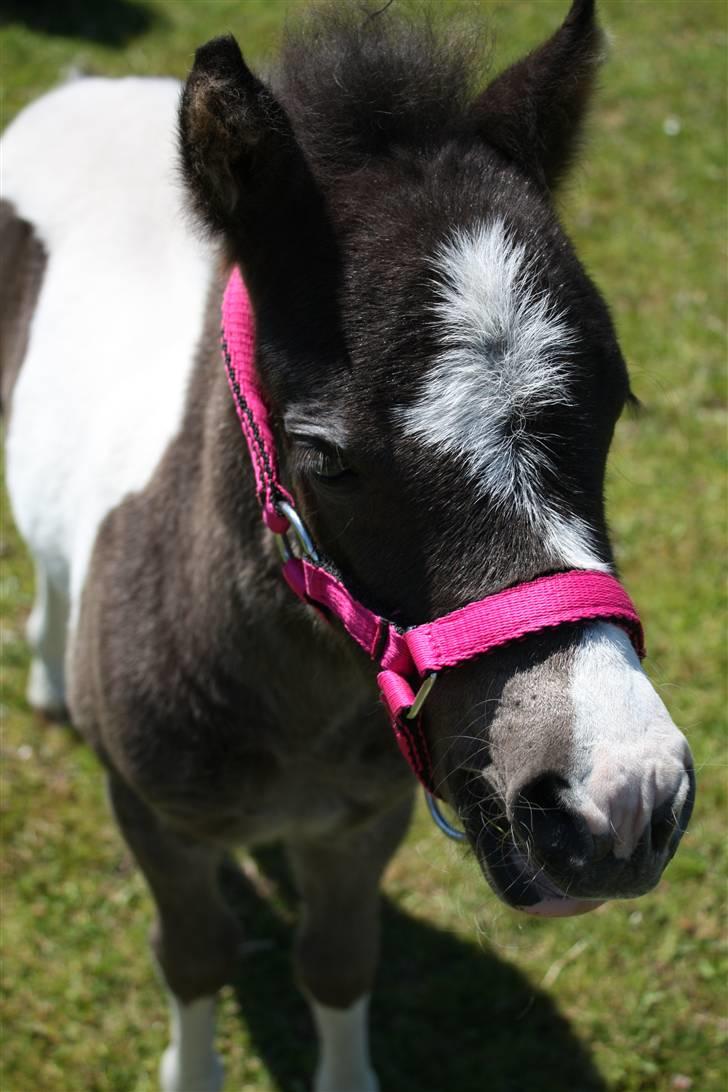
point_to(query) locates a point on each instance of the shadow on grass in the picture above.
(447, 1015)
(108, 22)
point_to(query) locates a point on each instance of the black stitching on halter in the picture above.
(380, 640)
(261, 450)
(419, 756)
(423, 750)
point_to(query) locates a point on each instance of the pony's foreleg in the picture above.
(337, 946)
(46, 632)
(195, 940)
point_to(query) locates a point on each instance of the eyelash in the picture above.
(326, 464)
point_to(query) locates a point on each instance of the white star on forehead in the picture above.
(505, 356)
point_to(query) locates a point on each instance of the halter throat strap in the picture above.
(408, 660)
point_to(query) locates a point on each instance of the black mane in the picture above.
(360, 83)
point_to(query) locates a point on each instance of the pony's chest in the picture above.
(304, 800)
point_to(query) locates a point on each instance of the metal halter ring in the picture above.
(305, 541)
(441, 822)
(414, 711)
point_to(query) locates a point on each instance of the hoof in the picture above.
(45, 692)
(205, 1077)
(331, 1082)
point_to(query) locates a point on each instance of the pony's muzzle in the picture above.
(597, 848)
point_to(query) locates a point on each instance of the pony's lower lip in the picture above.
(542, 896)
(553, 903)
(516, 880)
(561, 908)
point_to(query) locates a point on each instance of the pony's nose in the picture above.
(549, 824)
(551, 831)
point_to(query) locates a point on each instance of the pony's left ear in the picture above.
(239, 156)
(534, 111)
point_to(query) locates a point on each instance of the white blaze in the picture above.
(505, 357)
(629, 756)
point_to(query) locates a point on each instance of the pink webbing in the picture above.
(474, 630)
(238, 345)
(398, 695)
(378, 637)
(575, 596)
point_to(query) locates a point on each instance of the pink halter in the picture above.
(409, 659)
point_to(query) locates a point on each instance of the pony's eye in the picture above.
(323, 461)
(328, 464)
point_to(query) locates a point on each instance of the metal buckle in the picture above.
(305, 542)
(421, 696)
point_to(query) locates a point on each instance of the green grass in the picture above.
(472, 996)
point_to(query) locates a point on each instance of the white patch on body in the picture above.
(629, 756)
(505, 357)
(344, 1064)
(190, 1064)
(100, 395)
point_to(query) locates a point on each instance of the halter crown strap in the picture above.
(405, 657)
(238, 350)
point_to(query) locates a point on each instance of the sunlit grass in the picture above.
(472, 997)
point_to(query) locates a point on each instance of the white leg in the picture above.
(47, 626)
(344, 1063)
(190, 1064)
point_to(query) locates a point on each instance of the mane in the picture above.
(360, 82)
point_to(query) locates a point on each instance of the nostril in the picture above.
(670, 819)
(662, 826)
(543, 823)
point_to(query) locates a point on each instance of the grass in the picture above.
(471, 995)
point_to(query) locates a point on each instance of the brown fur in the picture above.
(22, 264)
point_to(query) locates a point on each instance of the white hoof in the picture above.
(45, 691)
(205, 1076)
(332, 1082)
(344, 1064)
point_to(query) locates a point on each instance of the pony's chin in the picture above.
(552, 903)
(527, 888)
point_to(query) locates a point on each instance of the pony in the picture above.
(437, 381)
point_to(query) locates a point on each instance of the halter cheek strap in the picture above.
(409, 660)
(238, 350)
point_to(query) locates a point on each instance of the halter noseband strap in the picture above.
(411, 659)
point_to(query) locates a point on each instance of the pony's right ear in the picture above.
(236, 143)
(534, 111)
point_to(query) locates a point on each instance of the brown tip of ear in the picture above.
(218, 84)
(220, 57)
(213, 129)
(233, 134)
(218, 104)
